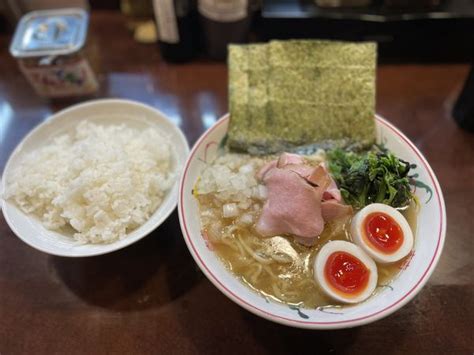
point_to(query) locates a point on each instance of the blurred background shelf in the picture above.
(374, 11)
(423, 31)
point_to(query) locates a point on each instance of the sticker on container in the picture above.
(166, 21)
(61, 80)
(223, 10)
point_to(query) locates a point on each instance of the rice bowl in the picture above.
(108, 112)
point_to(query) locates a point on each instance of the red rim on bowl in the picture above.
(312, 324)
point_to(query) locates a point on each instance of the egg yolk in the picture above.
(346, 273)
(383, 232)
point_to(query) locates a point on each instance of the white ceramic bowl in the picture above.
(107, 111)
(429, 242)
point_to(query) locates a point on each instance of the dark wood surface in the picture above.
(152, 298)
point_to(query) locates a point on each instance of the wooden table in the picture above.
(152, 298)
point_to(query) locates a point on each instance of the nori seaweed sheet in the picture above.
(286, 94)
(257, 90)
(238, 94)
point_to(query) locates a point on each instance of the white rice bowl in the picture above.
(112, 193)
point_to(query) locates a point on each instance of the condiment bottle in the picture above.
(49, 48)
(463, 111)
(178, 29)
(224, 22)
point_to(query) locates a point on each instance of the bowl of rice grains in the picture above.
(93, 178)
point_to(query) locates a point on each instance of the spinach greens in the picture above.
(376, 176)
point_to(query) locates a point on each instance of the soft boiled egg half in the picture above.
(345, 272)
(382, 232)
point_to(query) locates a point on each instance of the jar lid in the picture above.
(50, 32)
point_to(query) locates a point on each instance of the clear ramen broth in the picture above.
(279, 268)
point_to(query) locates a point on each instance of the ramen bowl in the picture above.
(414, 273)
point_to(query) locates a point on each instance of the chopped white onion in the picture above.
(245, 204)
(262, 192)
(230, 210)
(246, 219)
(238, 182)
(247, 168)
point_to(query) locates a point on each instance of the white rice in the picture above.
(103, 181)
